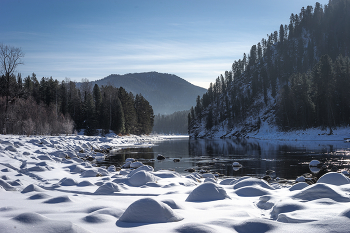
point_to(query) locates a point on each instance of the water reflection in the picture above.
(288, 158)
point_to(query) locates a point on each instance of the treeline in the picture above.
(30, 106)
(320, 97)
(175, 123)
(262, 79)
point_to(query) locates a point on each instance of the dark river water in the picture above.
(289, 159)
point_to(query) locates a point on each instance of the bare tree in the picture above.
(10, 58)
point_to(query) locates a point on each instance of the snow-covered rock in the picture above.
(148, 210)
(207, 192)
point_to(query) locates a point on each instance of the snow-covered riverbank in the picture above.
(46, 187)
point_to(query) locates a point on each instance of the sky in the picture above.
(196, 40)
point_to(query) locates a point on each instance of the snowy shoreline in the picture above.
(46, 186)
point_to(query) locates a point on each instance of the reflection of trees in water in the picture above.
(223, 147)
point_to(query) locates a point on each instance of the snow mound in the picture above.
(56, 200)
(33, 222)
(67, 182)
(38, 169)
(31, 188)
(228, 181)
(207, 192)
(5, 177)
(252, 182)
(30, 218)
(255, 225)
(90, 173)
(39, 196)
(172, 204)
(286, 218)
(320, 190)
(148, 210)
(11, 148)
(103, 171)
(298, 186)
(77, 168)
(45, 157)
(109, 211)
(285, 207)
(7, 170)
(166, 174)
(252, 191)
(142, 168)
(136, 164)
(97, 218)
(112, 168)
(7, 186)
(85, 183)
(333, 178)
(108, 188)
(141, 178)
(195, 228)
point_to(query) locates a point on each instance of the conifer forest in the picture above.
(296, 78)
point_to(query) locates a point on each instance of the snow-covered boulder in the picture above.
(31, 188)
(129, 160)
(298, 186)
(333, 178)
(90, 173)
(7, 186)
(141, 178)
(148, 210)
(142, 168)
(108, 188)
(320, 190)
(102, 171)
(207, 192)
(126, 165)
(166, 174)
(112, 168)
(228, 181)
(67, 182)
(136, 164)
(251, 182)
(252, 191)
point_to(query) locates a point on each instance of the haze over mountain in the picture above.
(167, 93)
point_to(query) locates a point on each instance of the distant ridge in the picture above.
(167, 93)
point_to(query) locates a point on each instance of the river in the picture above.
(289, 159)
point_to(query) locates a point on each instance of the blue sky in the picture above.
(195, 39)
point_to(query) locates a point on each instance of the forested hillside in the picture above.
(175, 123)
(296, 78)
(167, 93)
(29, 106)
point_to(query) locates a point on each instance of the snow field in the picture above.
(46, 186)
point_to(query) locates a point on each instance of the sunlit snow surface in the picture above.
(42, 191)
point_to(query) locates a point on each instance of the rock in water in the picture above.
(160, 157)
(148, 210)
